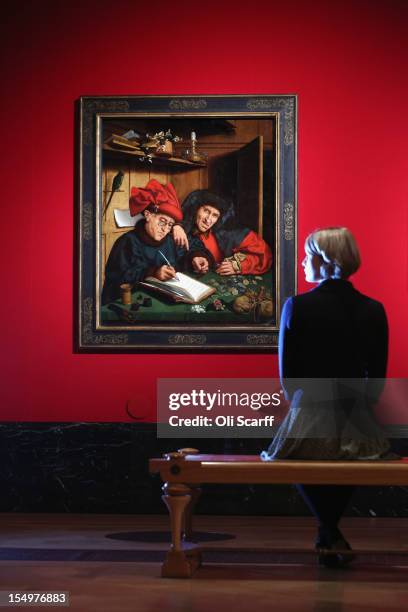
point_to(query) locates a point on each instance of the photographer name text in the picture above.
(221, 421)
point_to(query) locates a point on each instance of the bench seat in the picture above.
(183, 471)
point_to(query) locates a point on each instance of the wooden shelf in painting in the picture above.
(123, 143)
(156, 159)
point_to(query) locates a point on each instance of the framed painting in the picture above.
(186, 221)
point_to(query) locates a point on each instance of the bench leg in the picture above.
(179, 563)
(195, 493)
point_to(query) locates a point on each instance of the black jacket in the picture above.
(332, 358)
(333, 331)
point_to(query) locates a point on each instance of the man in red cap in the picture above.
(148, 249)
(236, 250)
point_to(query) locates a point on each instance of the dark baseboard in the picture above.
(103, 468)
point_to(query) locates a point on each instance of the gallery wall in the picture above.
(346, 60)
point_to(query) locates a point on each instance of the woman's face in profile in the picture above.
(311, 266)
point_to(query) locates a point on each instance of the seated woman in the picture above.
(212, 246)
(148, 249)
(332, 361)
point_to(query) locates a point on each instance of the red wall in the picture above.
(347, 61)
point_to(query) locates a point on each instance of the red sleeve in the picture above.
(258, 255)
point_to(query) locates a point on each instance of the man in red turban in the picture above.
(149, 248)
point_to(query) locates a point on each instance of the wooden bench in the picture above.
(185, 470)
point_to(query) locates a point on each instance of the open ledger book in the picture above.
(185, 289)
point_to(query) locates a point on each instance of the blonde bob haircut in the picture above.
(337, 248)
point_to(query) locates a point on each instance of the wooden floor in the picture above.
(112, 563)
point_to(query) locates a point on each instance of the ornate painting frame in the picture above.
(227, 117)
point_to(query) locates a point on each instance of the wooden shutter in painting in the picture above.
(249, 198)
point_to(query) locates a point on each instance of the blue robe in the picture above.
(134, 256)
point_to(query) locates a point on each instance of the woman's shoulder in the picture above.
(332, 294)
(371, 305)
